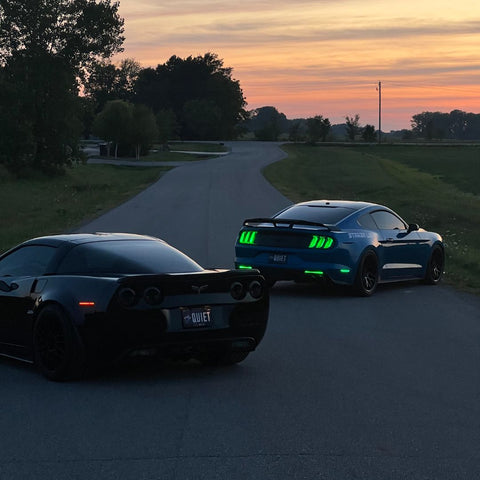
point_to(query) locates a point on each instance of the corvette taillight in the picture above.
(255, 288)
(127, 297)
(238, 291)
(153, 296)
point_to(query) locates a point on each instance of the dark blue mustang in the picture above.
(348, 243)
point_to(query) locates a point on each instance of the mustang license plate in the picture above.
(279, 258)
(196, 317)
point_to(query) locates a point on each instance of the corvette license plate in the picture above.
(196, 317)
(279, 258)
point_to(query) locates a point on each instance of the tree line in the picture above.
(267, 123)
(57, 83)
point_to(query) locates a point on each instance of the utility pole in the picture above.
(379, 112)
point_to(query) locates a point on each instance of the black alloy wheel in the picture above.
(435, 266)
(56, 346)
(367, 277)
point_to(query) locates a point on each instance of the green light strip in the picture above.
(245, 267)
(344, 270)
(248, 237)
(313, 272)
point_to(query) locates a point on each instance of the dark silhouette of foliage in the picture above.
(129, 128)
(352, 126)
(318, 128)
(457, 124)
(369, 134)
(183, 85)
(46, 49)
(107, 82)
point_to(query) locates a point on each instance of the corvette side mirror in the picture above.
(412, 227)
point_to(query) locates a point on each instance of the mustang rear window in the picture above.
(319, 214)
(126, 257)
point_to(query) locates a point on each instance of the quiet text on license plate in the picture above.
(196, 317)
(279, 258)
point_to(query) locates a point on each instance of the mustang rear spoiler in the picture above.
(284, 221)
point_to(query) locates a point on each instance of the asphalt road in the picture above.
(380, 388)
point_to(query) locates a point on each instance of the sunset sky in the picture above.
(324, 57)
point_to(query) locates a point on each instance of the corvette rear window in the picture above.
(320, 214)
(126, 257)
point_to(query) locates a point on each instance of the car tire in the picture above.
(435, 266)
(366, 280)
(56, 346)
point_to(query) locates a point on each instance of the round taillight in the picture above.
(255, 288)
(127, 297)
(153, 295)
(237, 290)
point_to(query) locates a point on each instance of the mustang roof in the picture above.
(338, 203)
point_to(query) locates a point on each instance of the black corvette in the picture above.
(72, 301)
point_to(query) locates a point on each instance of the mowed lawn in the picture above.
(437, 187)
(41, 205)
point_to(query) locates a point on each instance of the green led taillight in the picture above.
(319, 241)
(313, 272)
(248, 237)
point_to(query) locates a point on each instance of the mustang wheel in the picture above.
(56, 346)
(367, 277)
(435, 266)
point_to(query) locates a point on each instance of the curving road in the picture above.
(341, 388)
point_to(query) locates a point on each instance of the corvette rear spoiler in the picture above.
(285, 222)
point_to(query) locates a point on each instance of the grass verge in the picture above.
(436, 187)
(45, 205)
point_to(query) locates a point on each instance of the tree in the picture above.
(295, 131)
(178, 82)
(317, 128)
(40, 113)
(107, 82)
(113, 123)
(167, 126)
(369, 134)
(201, 118)
(79, 31)
(143, 130)
(352, 126)
(46, 49)
(268, 123)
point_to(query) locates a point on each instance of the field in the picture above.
(436, 187)
(41, 205)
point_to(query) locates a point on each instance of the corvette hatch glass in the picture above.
(126, 257)
(319, 214)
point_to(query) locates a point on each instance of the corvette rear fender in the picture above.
(83, 295)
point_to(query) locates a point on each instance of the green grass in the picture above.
(45, 205)
(436, 187)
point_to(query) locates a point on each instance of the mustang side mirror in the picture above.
(412, 227)
(5, 287)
